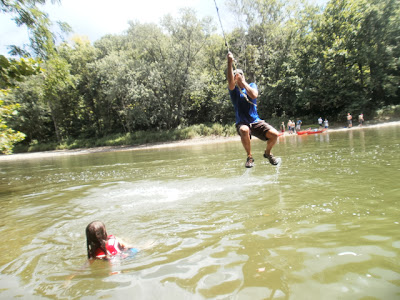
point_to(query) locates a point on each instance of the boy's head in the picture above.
(238, 71)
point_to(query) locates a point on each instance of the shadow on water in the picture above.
(324, 223)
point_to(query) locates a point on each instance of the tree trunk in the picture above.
(53, 117)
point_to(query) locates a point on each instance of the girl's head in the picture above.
(96, 237)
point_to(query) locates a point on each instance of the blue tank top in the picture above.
(245, 112)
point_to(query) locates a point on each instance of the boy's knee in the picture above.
(272, 135)
(244, 130)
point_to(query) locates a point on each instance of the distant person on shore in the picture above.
(361, 120)
(349, 120)
(320, 122)
(248, 123)
(291, 126)
(298, 126)
(283, 127)
(326, 124)
(100, 245)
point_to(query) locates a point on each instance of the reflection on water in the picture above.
(324, 225)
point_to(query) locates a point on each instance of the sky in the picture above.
(96, 18)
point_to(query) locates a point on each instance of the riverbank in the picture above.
(181, 143)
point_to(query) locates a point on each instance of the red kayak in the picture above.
(315, 131)
(310, 131)
(302, 132)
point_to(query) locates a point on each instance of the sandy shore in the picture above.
(182, 143)
(190, 142)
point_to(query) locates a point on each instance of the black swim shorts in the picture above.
(258, 129)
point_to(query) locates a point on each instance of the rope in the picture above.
(227, 46)
(223, 33)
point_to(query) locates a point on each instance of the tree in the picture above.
(83, 118)
(15, 70)
(188, 37)
(359, 69)
(12, 71)
(56, 79)
(34, 116)
(8, 136)
(26, 13)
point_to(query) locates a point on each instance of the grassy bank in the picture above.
(387, 114)
(133, 139)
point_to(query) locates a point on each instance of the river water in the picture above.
(322, 225)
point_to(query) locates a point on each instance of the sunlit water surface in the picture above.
(323, 225)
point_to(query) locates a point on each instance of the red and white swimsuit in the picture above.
(112, 246)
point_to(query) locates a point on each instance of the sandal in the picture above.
(272, 159)
(249, 162)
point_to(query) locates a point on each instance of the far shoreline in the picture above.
(102, 149)
(181, 143)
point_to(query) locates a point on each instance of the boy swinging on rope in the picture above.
(248, 123)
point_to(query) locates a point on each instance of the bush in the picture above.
(388, 112)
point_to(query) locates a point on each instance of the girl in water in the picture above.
(100, 245)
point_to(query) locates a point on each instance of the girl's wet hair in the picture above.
(96, 237)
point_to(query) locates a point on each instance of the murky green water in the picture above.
(323, 225)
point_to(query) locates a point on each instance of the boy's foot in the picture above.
(249, 162)
(272, 159)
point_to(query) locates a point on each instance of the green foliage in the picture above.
(8, 137)
(390, 112)
(34, 117)
(42, 42)
(13, 70)
(355, 39)
(158, 82)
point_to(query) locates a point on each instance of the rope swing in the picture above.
(227, 46)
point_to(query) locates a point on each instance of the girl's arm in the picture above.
(123, 244)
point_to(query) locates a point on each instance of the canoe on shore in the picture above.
(302, 132)
(310, 131)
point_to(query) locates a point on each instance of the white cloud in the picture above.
(99, 17)
(96, 18)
